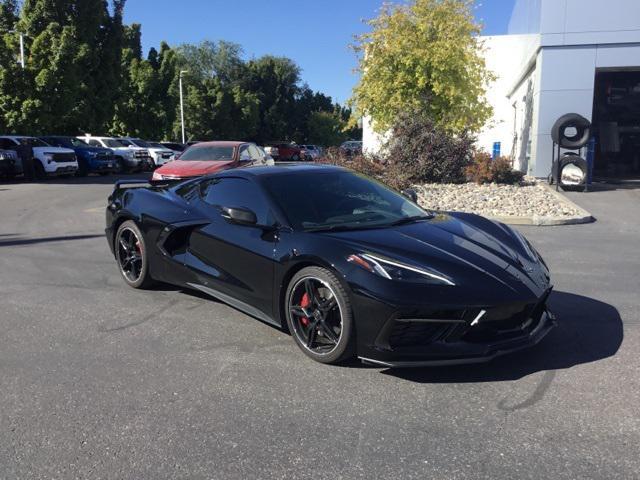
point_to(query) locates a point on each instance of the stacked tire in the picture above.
(571, 132)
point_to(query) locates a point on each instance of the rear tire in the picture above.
(322, 323)
(131, 255)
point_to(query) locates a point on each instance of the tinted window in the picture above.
(338, 200)
(140, 143)
(110, 142)
(33, 142)
(237, 192)
(95, 143)
(6, 143)
(208, 153)
(66, 142)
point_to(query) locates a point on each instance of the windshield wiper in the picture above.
(413, 219)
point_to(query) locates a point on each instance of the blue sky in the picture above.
(314, 33)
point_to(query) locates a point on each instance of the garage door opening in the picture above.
(616, 122)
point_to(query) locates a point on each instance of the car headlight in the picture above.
(395, 270)
(157, 176)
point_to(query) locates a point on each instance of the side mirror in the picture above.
(240, 216)
(411, 194)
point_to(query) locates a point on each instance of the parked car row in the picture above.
(55, 155)
(68, 155)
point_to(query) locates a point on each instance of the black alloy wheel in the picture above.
(319, 315)
(131, 254)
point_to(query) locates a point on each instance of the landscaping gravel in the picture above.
(493, 200)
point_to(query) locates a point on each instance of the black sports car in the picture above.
(350, 267)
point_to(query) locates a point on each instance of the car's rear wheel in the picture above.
(131, 255)
(319, 315)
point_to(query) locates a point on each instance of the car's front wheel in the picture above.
(319, 316)
(131, 255)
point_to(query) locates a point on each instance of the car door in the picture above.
(234, 262)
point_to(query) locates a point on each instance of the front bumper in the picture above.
(62, 170)
(448, 335)
(103, 166)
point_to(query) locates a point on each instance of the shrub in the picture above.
(370, 165)
(421, 152)
(486, 170)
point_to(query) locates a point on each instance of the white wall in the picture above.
(558, 45)
(506, 56)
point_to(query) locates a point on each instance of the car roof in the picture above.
(282, 168)
(225, 143)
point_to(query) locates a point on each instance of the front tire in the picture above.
(319, 316)
(131, 255)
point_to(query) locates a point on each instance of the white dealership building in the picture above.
(564, 56)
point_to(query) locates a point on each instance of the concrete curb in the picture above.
(548, 221)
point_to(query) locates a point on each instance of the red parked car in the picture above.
(285, 151)
(209, 157)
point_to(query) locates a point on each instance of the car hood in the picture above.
(52, 150)
(94, 150)
(188, 168)
(471, 250)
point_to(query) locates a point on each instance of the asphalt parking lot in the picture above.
(98, 380)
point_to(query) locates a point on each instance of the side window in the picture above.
(6, 144)
(94, 143)
(237, 192)
(245, 155)
(254, 153)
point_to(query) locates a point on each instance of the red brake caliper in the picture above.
(304, 303)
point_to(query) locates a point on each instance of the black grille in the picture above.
(104, 156)
(64, 157)
(407, 334)
(141, 154)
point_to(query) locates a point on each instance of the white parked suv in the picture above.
(311, 152)
(159, 154)
(49, 161)
(131, 158)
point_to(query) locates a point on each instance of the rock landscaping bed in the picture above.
(531, 203)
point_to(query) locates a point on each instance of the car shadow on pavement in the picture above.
(88, 180)
(588, 330)
(17, 241)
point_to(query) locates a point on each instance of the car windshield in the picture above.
(140, 143)
(33, 142)
(157, 145)
(67, 142)
(125, 142)
(340, 201)
(110, 142)
(208, 154)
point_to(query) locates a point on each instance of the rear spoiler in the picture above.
(130, 183)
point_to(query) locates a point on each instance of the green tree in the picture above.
(8, 15)
(276, 82)
(326, 129)
(425, 58)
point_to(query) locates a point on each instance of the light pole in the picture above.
(182, 106)
(21, 47)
